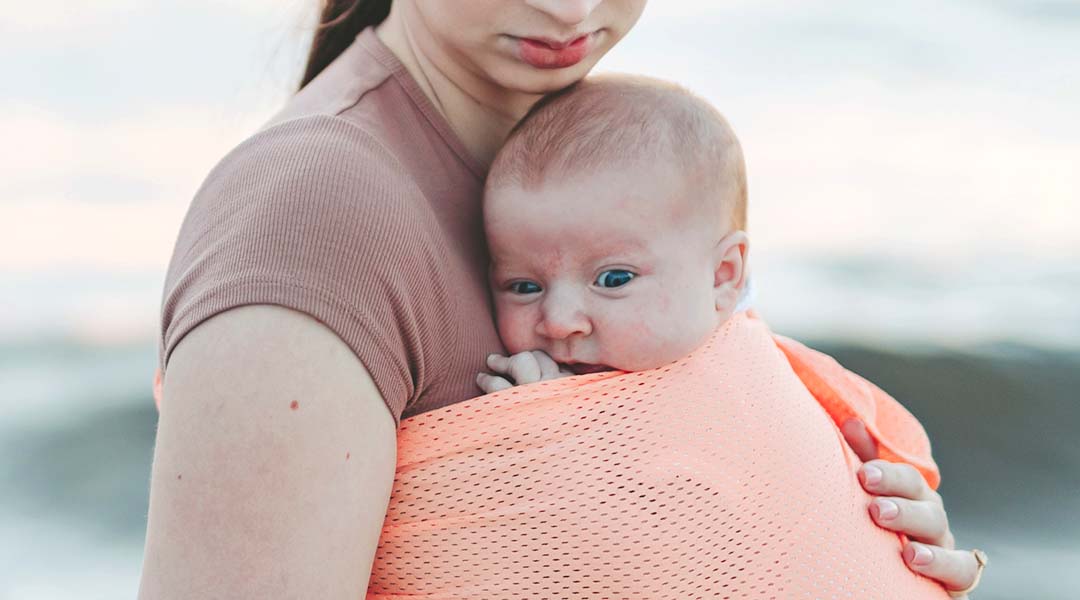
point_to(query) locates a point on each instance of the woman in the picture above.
(329, 280)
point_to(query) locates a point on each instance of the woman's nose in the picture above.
(561, 318)
(568, 12)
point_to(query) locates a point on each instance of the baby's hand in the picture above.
(521, 368)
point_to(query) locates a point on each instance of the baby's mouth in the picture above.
(585, 368)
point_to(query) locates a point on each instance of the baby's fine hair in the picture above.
(625, 120)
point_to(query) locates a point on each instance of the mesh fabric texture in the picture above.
(719, 476)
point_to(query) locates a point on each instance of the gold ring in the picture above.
(982, 559)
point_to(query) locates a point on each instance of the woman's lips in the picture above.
(549, 54)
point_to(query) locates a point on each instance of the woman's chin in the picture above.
(530, 80)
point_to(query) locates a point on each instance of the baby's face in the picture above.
(604, 271)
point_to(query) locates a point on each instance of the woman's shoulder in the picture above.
(324, 153)
(317, 177)
(309, 214)
(317, 174)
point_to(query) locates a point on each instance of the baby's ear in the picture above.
(729, 269)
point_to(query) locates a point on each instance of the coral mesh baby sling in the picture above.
(719, 476)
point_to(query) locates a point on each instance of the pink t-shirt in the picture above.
(357, 205)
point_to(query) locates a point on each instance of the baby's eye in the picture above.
(614, 278)
(524, 287)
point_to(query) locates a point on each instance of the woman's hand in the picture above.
(906, 504)
(519, 369)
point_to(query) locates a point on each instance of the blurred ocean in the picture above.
(914, 211)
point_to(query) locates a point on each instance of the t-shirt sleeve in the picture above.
(315, 215)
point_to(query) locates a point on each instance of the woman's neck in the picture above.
(480, 113)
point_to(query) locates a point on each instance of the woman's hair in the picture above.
(339, 24)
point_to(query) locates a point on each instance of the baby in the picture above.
(615, 216)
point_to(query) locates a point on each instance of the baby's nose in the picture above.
(562, 318)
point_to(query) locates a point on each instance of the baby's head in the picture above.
(615, 216)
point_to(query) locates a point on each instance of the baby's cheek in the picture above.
(514, 327)
(645, 340)
(672, 331)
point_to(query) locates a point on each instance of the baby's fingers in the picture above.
(499, 363)
(522, 367)
(549, 369)
(492, 383)
(920, 520)
(955, 569)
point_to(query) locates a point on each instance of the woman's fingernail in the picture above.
(873, 475)
(887, 509)
(920, 555)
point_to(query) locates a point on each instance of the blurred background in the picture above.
(913, 169)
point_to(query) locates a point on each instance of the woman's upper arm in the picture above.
(273, 464)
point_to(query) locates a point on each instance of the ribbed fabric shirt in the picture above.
(358, 205)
